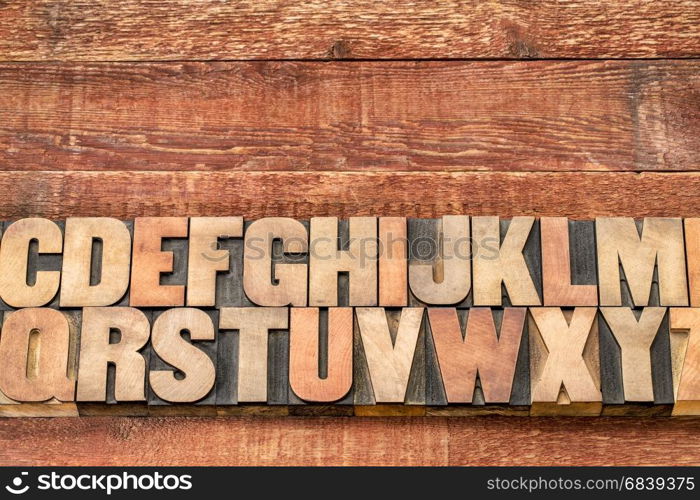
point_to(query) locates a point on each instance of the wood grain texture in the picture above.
(409, 116)
(500, 262)
(564, 361)
(477, 351)
(558, 288)
(175, 29)
(205, 257)
(35, 355)
(392, 267)
(357, 441)
(114, 263)
(120, 194)
(149, 262)
(445, 277)
(14, 262)
(305, 353)
(658, 246)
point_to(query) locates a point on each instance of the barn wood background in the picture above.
(310, 107)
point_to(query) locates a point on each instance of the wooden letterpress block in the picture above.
(113, 361)
(393, 263)
(230, 292)
(314, 377)
(692, 250)
(158, 275)
(506, 262)
(38, 353)
(206, 259)
(4, 306)
(343, 255)
(253, 376)
(685, 359)
(635, 361)
(651, 256)
(482, 359)
(276, 278)
(440, 254)
(439, 273)
(568, 251)
(182, 367)
(389, 340)
(229, 283)
(564, 361)
(30, 262)
(84, 237)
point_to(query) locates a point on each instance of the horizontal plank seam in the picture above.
(346, 60)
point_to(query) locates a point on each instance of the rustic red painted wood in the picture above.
(355, 441)
(314, 29)
(360, 116)
(263, 194)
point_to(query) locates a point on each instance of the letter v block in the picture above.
(394, 364)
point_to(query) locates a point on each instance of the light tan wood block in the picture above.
(149, 262)
(198, 369)
(389, 362)
(76, 290)
(635, 338)
(205, 257)
(14, 255)
(253, 325)
(393, 262)
(692, 251)
(448, 279)
(359, 261)
(35, 349)
(618, 242)
(304, 354)
(481, 350)
(96, 352)
(556, 267)
(288, 284)
(497, 264)
(685, 360)
(564, 361)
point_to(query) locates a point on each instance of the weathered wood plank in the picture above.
(358, 441)
(128, 194)
(175, 29)
(352, 116)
